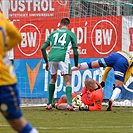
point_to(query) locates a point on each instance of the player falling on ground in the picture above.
(60, 42)
(9, 97)
(120, 61)
(91, 96)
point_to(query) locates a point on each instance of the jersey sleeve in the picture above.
(13, 35)
(105, 74)
(75, 48)
(43, 49)
(73, 40)
(75, 51)
(129, 72)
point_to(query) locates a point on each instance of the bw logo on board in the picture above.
(31, 39)
(104, 34)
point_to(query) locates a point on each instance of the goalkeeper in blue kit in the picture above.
(60, 42)
(121, 62)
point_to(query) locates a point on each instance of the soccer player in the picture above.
(120, 61)
(91, 95)
(9, 97)
(129, 72)
(60, 42)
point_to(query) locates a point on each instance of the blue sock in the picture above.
(26, 129)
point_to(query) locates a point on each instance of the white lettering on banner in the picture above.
(77, 79)
(81, 34)
(29, 40)
(104, 36)
(107, 36)
(30, 5)
(47, 33)
(129, 81)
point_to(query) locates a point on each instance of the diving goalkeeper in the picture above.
(91, 97)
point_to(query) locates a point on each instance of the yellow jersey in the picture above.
(9, 38)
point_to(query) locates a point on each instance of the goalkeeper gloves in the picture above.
(113, 86)
(102, 84)
(85, 107)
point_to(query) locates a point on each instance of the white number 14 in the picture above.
(61, 39)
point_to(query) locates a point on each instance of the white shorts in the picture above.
(64, 67)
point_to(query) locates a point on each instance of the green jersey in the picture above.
(60, 42)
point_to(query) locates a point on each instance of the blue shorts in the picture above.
(10, 102)
(118, 62)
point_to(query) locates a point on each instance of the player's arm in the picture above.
(97, 104)
(84, 90)
(13, 35)
(96, 107)
(105, 74)
(43, 49)
(75, 48)
(129, 72)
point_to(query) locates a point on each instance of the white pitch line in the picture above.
(4, 125)
(90, 127)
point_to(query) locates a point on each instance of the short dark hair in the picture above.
(65, 21)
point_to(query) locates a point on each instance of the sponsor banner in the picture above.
(127, 90)
(96, 36)
(127, 33)
(33, 79)
(23, 10)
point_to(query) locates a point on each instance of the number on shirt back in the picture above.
(61, 39)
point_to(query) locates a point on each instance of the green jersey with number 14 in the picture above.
(60, 42)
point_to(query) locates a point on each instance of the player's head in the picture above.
(90, 84)
(65, 22)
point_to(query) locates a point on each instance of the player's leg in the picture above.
(120, 69)
(62, 106)
(22, 126)
(115, 95)
(66, 72)
(67, 79)
(63, 99)
(10, 108)
(53, 67)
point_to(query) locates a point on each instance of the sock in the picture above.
(28, 129)
(51, 89)
(116, 93)
(33, 131)
(69, 95)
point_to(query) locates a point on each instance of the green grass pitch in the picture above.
(120, 120)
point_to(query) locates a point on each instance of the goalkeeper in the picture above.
(91, 97)
(121, 62)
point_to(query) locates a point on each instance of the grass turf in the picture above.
(120, 120)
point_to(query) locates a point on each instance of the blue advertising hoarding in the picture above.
(33, 79)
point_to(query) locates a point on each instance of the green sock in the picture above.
(51, 89)
(69, 95)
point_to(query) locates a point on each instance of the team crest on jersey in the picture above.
(97, 102)
(4, 107)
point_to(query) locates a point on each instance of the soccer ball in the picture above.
(77, 102)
